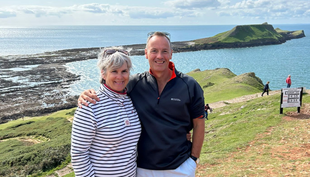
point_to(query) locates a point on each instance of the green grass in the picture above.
(222, 84)
(35, 145)
(70, 175)
(229, 135)
(238, 125)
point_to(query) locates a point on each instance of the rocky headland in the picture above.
(36, 84)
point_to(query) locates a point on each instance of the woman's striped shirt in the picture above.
(105, 136)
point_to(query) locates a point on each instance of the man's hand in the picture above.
(88, 95)
(189, 136)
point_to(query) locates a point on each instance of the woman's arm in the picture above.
(83, 132)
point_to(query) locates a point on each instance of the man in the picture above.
(266, 88)
(169, 104)
(289, 81)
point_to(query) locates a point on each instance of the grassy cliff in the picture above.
(240, 36)
(245, 33)
(222, 84)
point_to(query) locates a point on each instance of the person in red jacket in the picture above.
(289, 81)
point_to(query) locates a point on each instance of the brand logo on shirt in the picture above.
(175, 99)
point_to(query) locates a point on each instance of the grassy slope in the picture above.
(228, 129)
(20, 152)
(222, 84)
(231, 129)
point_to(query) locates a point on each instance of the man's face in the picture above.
(158, 52)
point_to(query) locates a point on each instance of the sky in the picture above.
(20, 13)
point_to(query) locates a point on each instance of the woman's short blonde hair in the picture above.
(108, 60)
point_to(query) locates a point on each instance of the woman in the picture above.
(207, 107)
(105, 135)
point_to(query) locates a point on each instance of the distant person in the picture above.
(207, 107)
(105, 135)
(266, 89)
(169, 104)
(289, 81)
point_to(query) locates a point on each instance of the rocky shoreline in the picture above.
(32, 85)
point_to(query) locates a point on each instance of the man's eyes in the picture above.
(154, 51)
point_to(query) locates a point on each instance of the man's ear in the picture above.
(171, 54)
(145, 53)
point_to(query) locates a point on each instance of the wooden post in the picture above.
(300, 96)
(281, 109)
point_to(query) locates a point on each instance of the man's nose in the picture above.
(159, 55)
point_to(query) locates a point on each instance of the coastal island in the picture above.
(37, 84)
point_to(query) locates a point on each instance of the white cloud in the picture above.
(150, 14)
(173, 12)
(7, 14)
(265, 9)
(94, 8)
(193, 4)
(40, 11)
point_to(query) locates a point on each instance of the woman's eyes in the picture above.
(124, 71)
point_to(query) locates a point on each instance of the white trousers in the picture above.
(186, 169)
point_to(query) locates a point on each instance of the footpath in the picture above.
(244, 98)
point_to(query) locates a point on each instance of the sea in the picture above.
(271, 63)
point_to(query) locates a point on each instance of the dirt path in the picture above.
(220, 104)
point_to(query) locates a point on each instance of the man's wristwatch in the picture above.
(195, 159)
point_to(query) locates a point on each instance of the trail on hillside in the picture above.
(244, 98)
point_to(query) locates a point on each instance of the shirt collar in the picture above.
(171, 67)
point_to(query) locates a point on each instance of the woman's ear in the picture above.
(103, 75)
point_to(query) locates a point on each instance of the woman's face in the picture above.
(117, 79)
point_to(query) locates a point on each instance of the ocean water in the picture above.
(270, 63)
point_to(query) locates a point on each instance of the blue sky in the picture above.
(17, 13)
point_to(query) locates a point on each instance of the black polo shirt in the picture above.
(165, 119)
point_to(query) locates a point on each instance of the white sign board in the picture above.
(291, 97)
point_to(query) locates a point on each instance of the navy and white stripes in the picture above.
(105, 136)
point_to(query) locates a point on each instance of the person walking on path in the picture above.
(266, 89)
(207, 107)
(289, 81)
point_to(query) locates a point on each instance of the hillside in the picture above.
(242, 36)
(216, 83)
